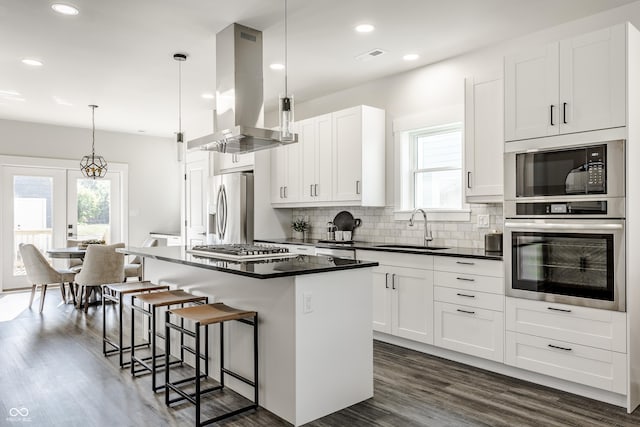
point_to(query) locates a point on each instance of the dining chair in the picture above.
(102, 265)
(134, 268)
(40, 272)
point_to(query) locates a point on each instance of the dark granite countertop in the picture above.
(376, 246)
(295, 266)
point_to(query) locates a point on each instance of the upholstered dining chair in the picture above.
(102, 265)
(134, 268)
(40, 272)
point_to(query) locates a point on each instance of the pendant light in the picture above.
(93, 166)
(180, 57)
(285, 102)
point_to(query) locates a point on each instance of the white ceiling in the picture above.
(118, 53)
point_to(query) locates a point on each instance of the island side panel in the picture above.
(334, 342)
(274, 300)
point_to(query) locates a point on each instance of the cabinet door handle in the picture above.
(466, 295)
(465, 263)
(466, 311)
(357, 187)
(559, 348)
(564, 113)
(393, 281)
(281, 193)
(465, 279)
(285, 191)
(551, 115)
(469, 179)
(386, 280)
(311, 190)
(315, 190)
(564, 310)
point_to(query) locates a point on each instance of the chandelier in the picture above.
(93, 166)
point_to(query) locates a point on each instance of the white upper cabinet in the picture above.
(285, 174)
(359, 156)
(575, 85)
(484, 140)
(340, 161)
(315, 145)
(227, 162)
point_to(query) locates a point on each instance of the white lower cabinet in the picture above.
(579, 344)
(402, 294)
(469, 330)
(594, 367)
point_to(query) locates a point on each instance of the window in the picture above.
(436, 166)
(430, 168)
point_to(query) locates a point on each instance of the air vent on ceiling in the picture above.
(374, 53)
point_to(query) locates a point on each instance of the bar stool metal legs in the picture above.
(154, 301)
(202, 317)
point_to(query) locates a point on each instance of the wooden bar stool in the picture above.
(116, 292)
(206, 315)
(155, 300)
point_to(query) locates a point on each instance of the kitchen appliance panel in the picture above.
(578, 262)
(231, 196)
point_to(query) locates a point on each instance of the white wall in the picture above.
(154, 173)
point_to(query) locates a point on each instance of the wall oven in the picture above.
(564, 230)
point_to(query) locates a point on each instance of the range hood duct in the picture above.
(239, 96)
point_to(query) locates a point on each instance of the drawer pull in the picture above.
(465, 263)
(469, 312)
(386, 280)
(466, 295)
(465, 279)
(564, 310)
(559, 348)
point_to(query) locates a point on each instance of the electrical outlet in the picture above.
(307, 306)
(483, 221)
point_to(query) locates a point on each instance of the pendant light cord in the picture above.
(286, 65)
(179, 96)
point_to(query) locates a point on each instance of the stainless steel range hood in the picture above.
(239, 96)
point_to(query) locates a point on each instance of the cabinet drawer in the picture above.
(581, 364)
(397, 259)
(469, 298)
(472, 331)
(592, 327)
(482, 267)
(472, 282)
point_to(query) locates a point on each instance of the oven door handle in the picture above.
(557, 226)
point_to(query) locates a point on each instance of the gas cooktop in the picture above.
(241, 252)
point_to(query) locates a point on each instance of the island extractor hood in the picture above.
(239, 96)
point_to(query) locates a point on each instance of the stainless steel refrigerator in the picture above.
(231, 208)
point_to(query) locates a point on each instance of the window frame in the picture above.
(404, 173)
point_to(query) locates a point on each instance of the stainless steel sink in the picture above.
(412, 247)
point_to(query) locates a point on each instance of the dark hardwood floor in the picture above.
(51, 364)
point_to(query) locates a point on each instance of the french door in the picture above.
(54, 207)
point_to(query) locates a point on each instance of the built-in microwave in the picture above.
(569, 173)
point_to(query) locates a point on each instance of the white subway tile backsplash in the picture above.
(378, 225)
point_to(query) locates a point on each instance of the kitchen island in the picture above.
(315, 314)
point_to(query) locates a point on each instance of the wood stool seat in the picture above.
(163, 299)
(115, 292)
(212, 313)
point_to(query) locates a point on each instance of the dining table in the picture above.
(67, 253)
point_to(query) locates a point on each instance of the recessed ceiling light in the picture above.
(32, 62)
(411, 57)
(9, 93)
(365, 28)
(276, 66)
(141, 130)
(65, 9)
(207, 96)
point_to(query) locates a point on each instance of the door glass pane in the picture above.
(94, 207)
(32, 215)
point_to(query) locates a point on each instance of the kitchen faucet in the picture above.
(427, 234)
